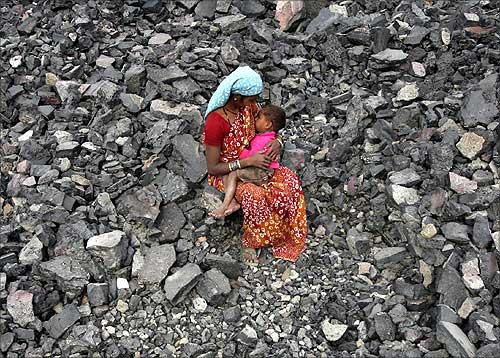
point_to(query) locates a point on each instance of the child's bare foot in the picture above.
(234, 206)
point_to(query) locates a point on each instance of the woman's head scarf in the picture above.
(243, 81)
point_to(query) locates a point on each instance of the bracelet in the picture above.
(238, 164)
(280, 141)
(231, 166)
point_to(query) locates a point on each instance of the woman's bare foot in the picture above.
(233, 206)
(249, 256)
(219, 213)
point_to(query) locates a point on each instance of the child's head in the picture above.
(270, 118)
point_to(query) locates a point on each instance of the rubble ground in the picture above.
(106, 246)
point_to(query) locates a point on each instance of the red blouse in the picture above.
(216, 129)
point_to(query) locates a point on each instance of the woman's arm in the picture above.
(218, 168)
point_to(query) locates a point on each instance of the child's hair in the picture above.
(276, 115)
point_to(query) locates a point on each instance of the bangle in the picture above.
(238, 164)
(230, 166)
(280, 141)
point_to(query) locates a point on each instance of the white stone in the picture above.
(339, 9)
(32, 252)
(487, 328)
(418, 69)
(428, 231)
(200, 304)
(121, 306)
(403, 195)
(390, 55)
(470, 145)
(468, 306)
(409, 92)
(20, 307)
(90, 146)
(108, 247)
(29, 181)
(104, 61)
(25, 136)
(461, 185)
(445, 36)
(63, 136)
(471, 17)
(159, 39)
(16, 61)
(333, 332)
(122, 284)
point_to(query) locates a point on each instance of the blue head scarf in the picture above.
(243, 81)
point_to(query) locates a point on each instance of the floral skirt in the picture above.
(274, 214)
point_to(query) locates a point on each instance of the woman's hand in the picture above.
(274, 149)
(260, 160)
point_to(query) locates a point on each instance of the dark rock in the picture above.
(170, 222)
(59, 323)
(178, 285)
(214, 287)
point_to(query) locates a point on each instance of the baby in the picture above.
(268, 122)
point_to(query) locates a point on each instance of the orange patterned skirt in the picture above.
(274, 214)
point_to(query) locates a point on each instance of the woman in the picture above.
(274, 214)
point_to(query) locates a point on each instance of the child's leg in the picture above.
(230, 181)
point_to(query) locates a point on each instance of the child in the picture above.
(269, 121)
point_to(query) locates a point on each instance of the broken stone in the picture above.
(61, 322)
(461, 185)
(333, 332)
(157, 262)
(455, 340)
(214, 287)
(179, 284)
(110, 247)
(470, 145)
(20, 307)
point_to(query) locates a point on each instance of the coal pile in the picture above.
(106, 249)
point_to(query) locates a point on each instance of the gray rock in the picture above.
(98, 294)
(483, 177)
(32, 252)
(20, 307)
(193, 161)
(231, 23)
(206, 8)
(111, 247)
(456, 232)
(402, 195)
(333, 332)
(488, 351)
(358, 243)
(416, 35)
(455, 340)
(178, 285)
(323, 21)
(159, 39)
(132, 102)
(59, 323)
(6, 341)
(452, 289)
(141, 205)
(157, 262)
(386, 330)
(446, 314)
(104, 61)
(232, 314)
(481, 234)
(28, 25)
(170, 221)
(390, 255)
(68, 272)
(168, 75)
(223, 6)
(250, 7)
(390, 55)
(171, 186)
(64, 88)
(247, 336)
(214, 287)
(480, 105)
(405, 177)
(134, 77)
(227, 265)
(188, 4)
(105, 88)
